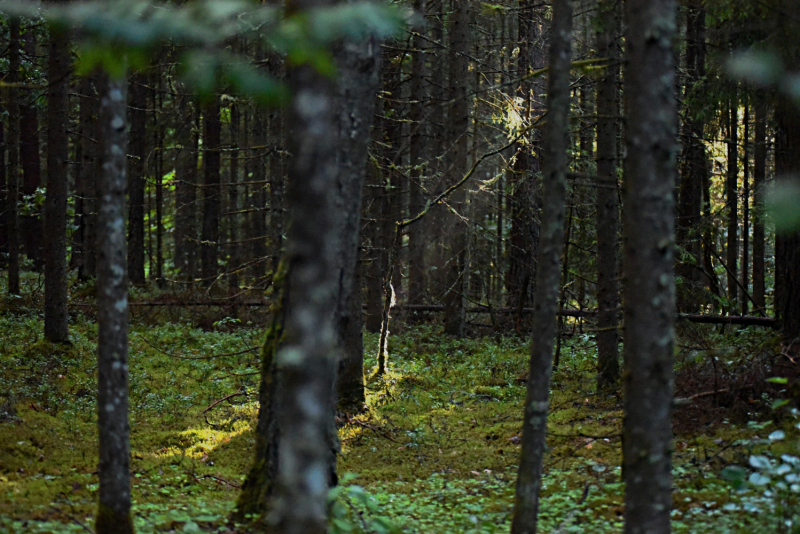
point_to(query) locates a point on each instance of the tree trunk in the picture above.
(88, 166)
(31, 226)
(12, 171)
(185, 234)
(277, 173)
(759, 212)
(649, 294)
(358, 65)
(137, 113)
(114, 513)
(534, 426)
(787, 244)
(694, 164)
(524, 202)
(233, 201)
(258, 199)
(745, 267)
(607, 203)
(56, 320)
(209, 244)
(732, 198)
(455, 231)
(419, 156)
(158, 165)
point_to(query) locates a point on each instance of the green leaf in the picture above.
(778, 380)
(779, 403)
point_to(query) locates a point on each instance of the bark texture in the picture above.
(114, 513)
(12, 171)
(537, 398)
(607, 203)
(649, 294)
(455, 232)
(137, 113)
(732, 199)
(209, 244)
(759, 193)
(358, 67)
(56, 321)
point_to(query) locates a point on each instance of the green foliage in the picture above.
(123, 34)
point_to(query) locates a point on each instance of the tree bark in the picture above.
(649, 281)
(693, 164)
(114, 513)
(455, 231)
(732, 198)
(12, 144)
(759, 211)
(233, 200)
(137, 113)
(534, 427)
(745, 266)
(209, 244)
(358, 65)
(185, 234)
(88, 179)
(31, 226)
(419, 155)
(524, 202)
(607, 203)
(56, 320)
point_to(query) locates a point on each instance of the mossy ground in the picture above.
(437, 448)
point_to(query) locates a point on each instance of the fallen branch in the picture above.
(685, 401)
(223, 399)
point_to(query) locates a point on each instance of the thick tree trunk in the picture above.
(137, 113)
(358, 67)
(534, 426)
(524, 202)
(607, 203)
(732, 198)
(31, 226)
(12, 171)
(456, 231)
(759, 212)
(114, 513)
(787, 245)
(649, 294)
(56, 321)
(209, 244)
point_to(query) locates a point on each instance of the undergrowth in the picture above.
(435, 451)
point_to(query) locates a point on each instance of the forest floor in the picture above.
(436, 451)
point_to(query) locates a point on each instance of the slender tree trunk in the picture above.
(209, 246)
(137, 112)
(233, 200)
(258, 199)
(607, 203)
(534, 427)
(455, 231)
(732, 198)
(277, 172)
(185, 233)
(694, 164)
(158, 164)
(88, 176)
(56, 321)
(12, 171)
(114, 513)
(649, 294)
(759, 179)
(419, 156)
(745, 267)
(31, 226)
